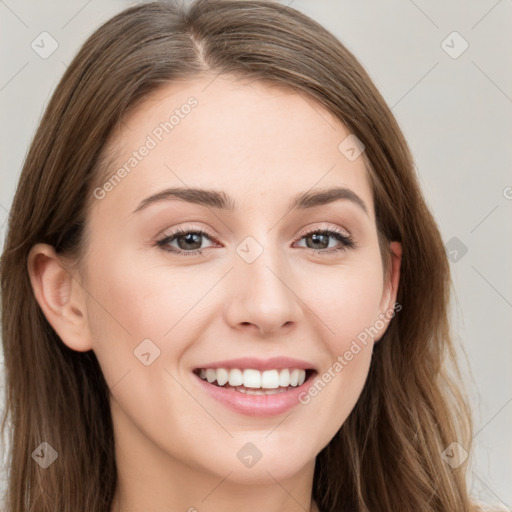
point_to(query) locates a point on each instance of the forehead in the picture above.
(252, 139)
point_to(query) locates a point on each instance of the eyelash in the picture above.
(346, 241)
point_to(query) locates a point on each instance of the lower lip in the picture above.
(256, 405)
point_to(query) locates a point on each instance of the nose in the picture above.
(262, 296)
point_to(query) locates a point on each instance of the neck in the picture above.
(211, 495)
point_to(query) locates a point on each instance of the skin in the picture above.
(177, 447)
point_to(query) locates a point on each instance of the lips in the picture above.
(255, 386)
(278, 363)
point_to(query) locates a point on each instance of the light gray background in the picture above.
(456, 114)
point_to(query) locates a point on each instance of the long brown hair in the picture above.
(388, 454)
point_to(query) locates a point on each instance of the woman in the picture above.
(298, 361)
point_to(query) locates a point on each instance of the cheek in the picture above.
(347, 301)
(129, 305)
(349, 313)
(139, 299)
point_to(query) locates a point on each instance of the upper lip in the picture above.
(273, 363)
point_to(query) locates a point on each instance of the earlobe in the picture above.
(60, 296)
(391, 283)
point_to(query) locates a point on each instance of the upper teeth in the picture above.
(250, 378)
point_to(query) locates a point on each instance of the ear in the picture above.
(60, 296)
(389, 294)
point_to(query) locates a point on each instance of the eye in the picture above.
(186, 239)
(320, 239)
(189, 241)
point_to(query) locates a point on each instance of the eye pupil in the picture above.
(190, 239)
(317, 238)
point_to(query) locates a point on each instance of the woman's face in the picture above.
(267, 289)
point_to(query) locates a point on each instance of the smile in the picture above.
(254, 382)
(256, 387)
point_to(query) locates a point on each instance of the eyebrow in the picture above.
(220, 200)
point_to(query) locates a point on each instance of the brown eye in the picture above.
(318, 241)
(189, 242)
